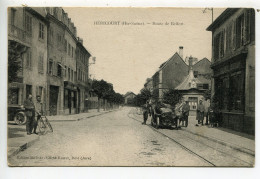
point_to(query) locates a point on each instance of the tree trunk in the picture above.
(98, 110)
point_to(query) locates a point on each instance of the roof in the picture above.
(176, 55)
(186, 84)
(128, 93)
(222, 18)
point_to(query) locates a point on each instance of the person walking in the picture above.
(200, 113)
(38, 113)
(207, 105)
(185, 112)
(29, 112)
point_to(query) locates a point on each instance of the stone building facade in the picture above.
(233, 64)
(45, 41)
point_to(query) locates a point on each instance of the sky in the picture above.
(126, 55)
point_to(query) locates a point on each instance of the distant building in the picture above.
(129, 97)
(233, 64)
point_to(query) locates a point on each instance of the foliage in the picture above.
(105, 90)
(141, 98)
(14, 67)
(171, 97)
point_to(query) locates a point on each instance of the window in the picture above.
(72, 50)
(28, 90)
(12, 16)
(69, 49)
(28, 24)
(205, 86)
(28, 59)
(41, 30)
(59, 70)
(239, 30)
(50, 67)
(219, 45)
(40, 91)
(237, 91)
(65, 71)
(40, 63)
(65, 45)
(193, 102)
(72, 75)
(68, 73)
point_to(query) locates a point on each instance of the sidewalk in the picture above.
(236, 140)
(227, 137)
(18, 140)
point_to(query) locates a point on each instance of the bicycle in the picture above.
(44, 125)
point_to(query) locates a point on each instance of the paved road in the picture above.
(119, 139)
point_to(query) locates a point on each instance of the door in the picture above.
(54, 92)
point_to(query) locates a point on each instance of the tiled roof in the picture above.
(188, 81)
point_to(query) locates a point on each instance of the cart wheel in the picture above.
(20, 118)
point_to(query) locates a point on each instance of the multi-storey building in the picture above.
(27, 38)
(233, 64)
(45, 40)
(82, 60)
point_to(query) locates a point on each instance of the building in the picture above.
(27, 40)
(170, 74)
(193, 87)
(233, 64)
(129, 97)
(149, 84)
(83, 84)
(54, 61)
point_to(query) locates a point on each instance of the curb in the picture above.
(233, 146)
(78, 119)
(23, 147)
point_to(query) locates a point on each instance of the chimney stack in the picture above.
(190, 63)
(181, 51)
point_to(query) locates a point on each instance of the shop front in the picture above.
(229, 79)
(70, 98)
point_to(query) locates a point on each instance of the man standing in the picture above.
(38, 113)
(146, 110)
(185, 111)
(207, 105)
(200, 112)
(29, 112)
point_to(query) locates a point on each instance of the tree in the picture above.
(101, 88)
(172, 97)
(14, 67)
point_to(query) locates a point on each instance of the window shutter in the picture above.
(234, 36)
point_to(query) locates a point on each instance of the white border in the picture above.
(121, 172)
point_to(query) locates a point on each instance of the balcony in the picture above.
(17, 34)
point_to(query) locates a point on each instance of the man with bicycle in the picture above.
(38, 113)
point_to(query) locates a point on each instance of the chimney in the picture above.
(190, 63)
(181, 51)
(80, 40)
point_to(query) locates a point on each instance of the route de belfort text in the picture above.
(125, 23)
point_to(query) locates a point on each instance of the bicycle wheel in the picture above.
(41, 126)
(48, 124)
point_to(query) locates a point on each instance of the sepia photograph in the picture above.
(130, 86)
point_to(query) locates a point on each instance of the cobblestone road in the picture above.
(116, 139)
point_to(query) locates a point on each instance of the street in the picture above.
(119, 139)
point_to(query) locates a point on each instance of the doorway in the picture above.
(54, 93)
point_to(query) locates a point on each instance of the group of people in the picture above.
(181, 110)
(33, 113)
